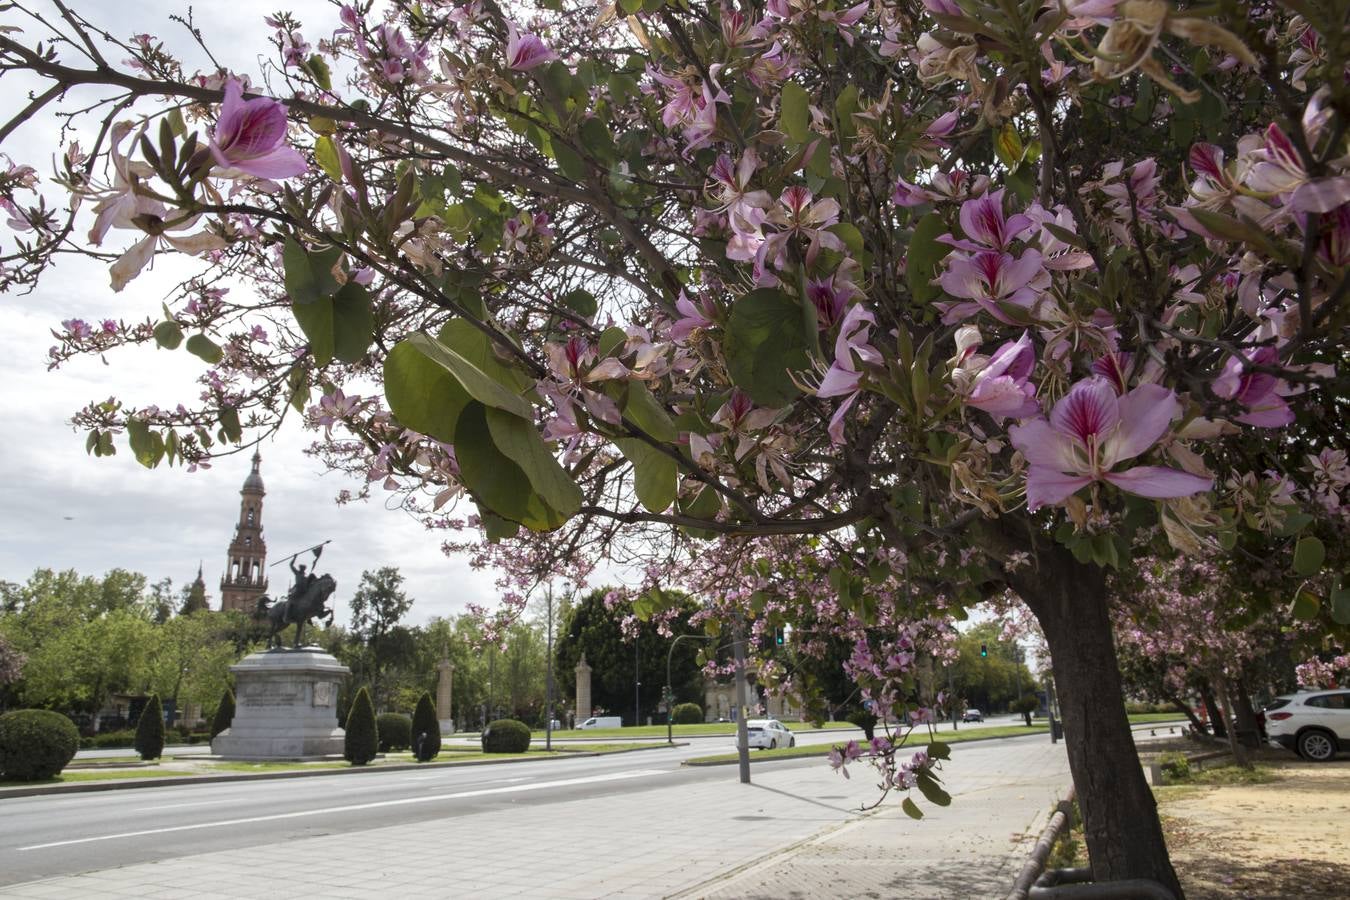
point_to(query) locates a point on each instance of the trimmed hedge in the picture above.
(36, 744)
(363, 735)
(506, 736)
(424, 721)
(150, 729)
(224, 714)
(395, 731)
(687, 714)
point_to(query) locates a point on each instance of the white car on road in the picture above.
(1315, 724)
(768, 734)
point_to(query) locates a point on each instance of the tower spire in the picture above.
(246, 560)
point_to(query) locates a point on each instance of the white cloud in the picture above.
(60, 508)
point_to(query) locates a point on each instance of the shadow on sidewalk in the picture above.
(846, 811)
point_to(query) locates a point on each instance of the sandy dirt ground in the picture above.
(1284, 839)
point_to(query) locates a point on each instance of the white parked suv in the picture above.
(768, 734)
(1315, 724)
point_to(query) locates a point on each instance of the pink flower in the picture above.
(1090, 431)
(525, 51)
(829, 299)
(1002, 388)
(250, 137)
(694, 317)
(985, 225)
(843, 377)
(989, 279)
(1259, 392)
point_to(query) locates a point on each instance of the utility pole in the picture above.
(548, 679)
(637, 679)
(742, 735)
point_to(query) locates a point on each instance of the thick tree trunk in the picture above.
(1238, 749)
(1212, 708)
(1120, 819)
(1244, 716)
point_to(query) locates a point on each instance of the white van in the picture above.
(602, 722)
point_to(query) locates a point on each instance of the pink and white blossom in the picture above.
(1089, 432)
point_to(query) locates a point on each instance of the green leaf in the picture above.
(581, 302)
(353, 323)
(479, 385)
(765, 338)
(924, 255)
(473, 344)
(497, 528)
(229, 423)
(844, 108)
(520, 442)
(309, 275)
(1308, 556)
(422, 394)
(201, 346)
(318, 68)
(911, 809)
(654, 474)
(647, 414)
(493, 478)
(939, 750)
(146, 445)
(326, 155)
(795, 116)
(611, 339)
(932, 791)
(1305, 605)
(1008, 146)
(168, 335)
(1340, 605)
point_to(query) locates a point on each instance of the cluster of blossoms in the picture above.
(1317, 673)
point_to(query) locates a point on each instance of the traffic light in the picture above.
(778, 636)
(984, 650)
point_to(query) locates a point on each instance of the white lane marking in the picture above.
(193, 803)
(354, 807)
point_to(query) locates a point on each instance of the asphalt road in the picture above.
(51, 835)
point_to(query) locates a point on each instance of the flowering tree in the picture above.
(980, 295)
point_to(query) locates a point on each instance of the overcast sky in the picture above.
(62, 509)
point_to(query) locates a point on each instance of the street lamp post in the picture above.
(670, 693)
(548, 679)
(637, 680)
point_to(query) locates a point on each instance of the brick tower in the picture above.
(244, 582)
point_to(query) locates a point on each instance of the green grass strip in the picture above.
(917, 741)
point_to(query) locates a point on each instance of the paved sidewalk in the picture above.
(693, 839)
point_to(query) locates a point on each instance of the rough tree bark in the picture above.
(1120, 818)
(1212, 710)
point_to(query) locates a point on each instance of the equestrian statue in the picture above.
(307, 600)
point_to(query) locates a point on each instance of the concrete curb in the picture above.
(170, 781)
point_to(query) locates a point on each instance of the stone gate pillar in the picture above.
(444, 684)
(583, 690)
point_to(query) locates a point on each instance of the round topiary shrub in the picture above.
(687, 714)
(363, 736)
(36, 744)
(150, 729)
(224, 714)
(395, 731)
(424, 722)
(506, 736)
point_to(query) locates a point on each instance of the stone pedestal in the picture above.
(285, 707)
(583, 690)
(444, 686)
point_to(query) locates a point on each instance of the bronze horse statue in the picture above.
(310, 604)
